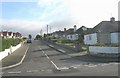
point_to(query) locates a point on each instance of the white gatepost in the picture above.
(10, 50)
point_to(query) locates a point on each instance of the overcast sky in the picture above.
(30, 16)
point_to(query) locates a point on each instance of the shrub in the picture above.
(54, 40)
(66, 41)
(115, 44)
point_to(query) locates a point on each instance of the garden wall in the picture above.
(6, 52)
(104, 51)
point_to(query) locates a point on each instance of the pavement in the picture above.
(15, 58)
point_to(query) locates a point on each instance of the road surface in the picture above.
(41, 60)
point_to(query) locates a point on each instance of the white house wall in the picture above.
(72, 37)
(115, 37)
(93, 39)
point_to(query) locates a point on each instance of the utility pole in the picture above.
(47, 29)
(50, 29)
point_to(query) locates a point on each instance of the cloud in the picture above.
(56, 13)
(91, 12)
(60, 14)
(18, 0)
(81, 12)
(53, 10)
(22, 26)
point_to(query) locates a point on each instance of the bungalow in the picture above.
(69, 34)
(78, 34)
(6, 34)
(81, 32)
(104, 32)
(10, 34)
(18, 35)
(14, 35)
(57, 34)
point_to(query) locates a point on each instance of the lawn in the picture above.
(6, 43)
(69, 43)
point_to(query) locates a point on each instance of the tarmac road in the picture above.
(41, 60)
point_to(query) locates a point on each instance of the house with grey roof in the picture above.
(7, 34)
(78, 34)
(57, 34)
(104, 32)
(10, 34)
(81, 32)
(4, 34)
(70, 34)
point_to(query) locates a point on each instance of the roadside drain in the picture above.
(31, 71)
(64, 70)
(35, 71)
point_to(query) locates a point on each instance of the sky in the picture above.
(31, 16)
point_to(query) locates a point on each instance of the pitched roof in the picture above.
(4, 33)
(81, 30)
(14, 34)
(9, 33)
(106, 27)
(18, 34)
(69, 31)
(58, 32)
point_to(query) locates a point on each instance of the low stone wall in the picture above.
(6, 52)
(104, 51)
(3, 54)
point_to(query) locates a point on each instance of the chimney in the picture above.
(75, 28)
(112, 19)
(64, 29)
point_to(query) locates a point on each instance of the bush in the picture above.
(66, 41)
(100, 44)
(54, 40)
(115, 44)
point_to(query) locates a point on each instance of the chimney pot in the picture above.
(75, 28)
(112, 19)
(64, 29)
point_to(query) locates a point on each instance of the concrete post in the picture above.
(10, 49)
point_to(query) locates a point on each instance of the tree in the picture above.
(30, 36)
(38, 37)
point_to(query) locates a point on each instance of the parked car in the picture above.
(29, 41)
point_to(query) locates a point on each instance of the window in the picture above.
(90, 38)
(71, 36)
